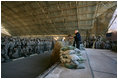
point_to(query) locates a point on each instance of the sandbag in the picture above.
(66, 52)
(64, 48)
(65, 57)
(70, 65)
(77, 50)
(74, 57)
(81, 58)
(72, 52)
(71, 57)
(67, 48)
(71, 47)
(79, 54)
(81, 66)
(65, 60)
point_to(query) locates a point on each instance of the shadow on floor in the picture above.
(29, 67)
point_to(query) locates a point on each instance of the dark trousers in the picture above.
(78, 45)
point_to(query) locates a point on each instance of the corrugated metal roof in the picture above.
(51, 17)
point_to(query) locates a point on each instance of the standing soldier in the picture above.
(45, 46)
(28, 46)
(35, 45)
(42, 46)
(24, 51)
(6, 43)
(11, 46)
(77, 39)
(15, 52)
(38, 47)
(4, 55)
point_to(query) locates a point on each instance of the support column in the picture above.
(77, 15)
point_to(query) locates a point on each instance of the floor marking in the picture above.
(18, 58)
(104, 72)
(43, 75)
(23, 57)
(33, 54)
(109, 57)
(89, 64)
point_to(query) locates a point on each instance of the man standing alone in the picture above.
(77, 39)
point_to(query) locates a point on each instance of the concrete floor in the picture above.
(100, 64)
(103, 63)
(29, 67)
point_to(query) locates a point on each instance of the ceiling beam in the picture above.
(45, 18)
(77, 15)
(95, 14)
(61, 9)
(61, 21)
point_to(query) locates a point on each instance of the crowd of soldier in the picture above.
(12, 48)
(99, 43)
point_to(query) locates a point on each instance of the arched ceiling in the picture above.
(51, 17)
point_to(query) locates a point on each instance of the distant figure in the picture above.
(70, 39)
(77, 39)
(85, 43)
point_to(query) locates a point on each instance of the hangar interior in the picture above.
(30, 30)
